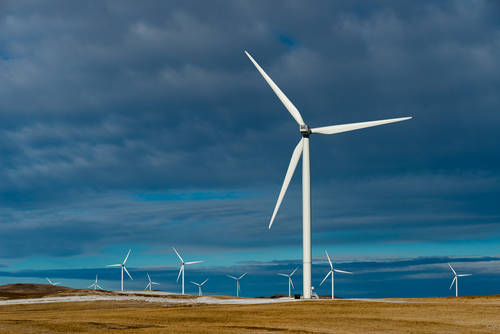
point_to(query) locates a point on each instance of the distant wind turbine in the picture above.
(332, 272)
(95, 285)
(237, 279)
(52, 283)
(122, 265)
(199, 285)
(150, 283)
(455, 279)
(290, 282)
(181, 270)
(302, 149)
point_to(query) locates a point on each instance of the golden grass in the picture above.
(433, 315)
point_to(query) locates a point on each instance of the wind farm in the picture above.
(175, 129)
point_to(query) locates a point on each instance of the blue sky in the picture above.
(144, 126)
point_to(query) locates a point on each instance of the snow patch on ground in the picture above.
(153, 299)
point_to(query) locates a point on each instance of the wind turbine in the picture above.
(332, 272)
(150, 283)
(199, 285)
(181, 270)
(455, 279)
(52, 283)
(302, 149)
(122, 265)
(96, 285)
(237, 279)
(290, 282)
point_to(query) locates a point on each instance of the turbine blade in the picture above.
(291, 282)
(293, 272)
(452, 269)
(342, 271)
(126, 257)
(114, 265)
(147, 286)
(324, 279)
(149, 278)
(205, 281)
(463, 275)
(288, 177)
(242, 276)
(48, 280)
(329, 261)
(180, 271)
(91, 285)
(125, 268)
(193, 262)
(194, 283)
(452, 282)
(232, 277)
(286, 102)
(99, 287)
(332, 129)
(155, 283)
(284, 275)
(176, 252)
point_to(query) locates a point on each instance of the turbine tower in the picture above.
(150, 283)
(302, 149)
(52, 283)
(122, 265)
(455, 279)
(95, 285)
(290, 282)
(181, 270)
(332, 272)
(237, 279)
(199, 285)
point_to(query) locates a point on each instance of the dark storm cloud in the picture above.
(102, 100)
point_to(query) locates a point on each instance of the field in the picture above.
(431, 315)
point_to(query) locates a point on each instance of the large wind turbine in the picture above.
(150, 283)
(199, 285)
(95, 285)
(302, 149)
(332, 272)
(237, 279)
(181, 270)
(122, 265)
(52, 283)
(290, 282)
(455, 279)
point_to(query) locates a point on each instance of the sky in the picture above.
(143, 126)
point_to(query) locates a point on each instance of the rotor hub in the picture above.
(305, 130)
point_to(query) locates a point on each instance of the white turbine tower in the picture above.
(95, 285)
(290, 282)
(302, 149)
(181, 270)
(237, 279)
(150, 283)
(122, 265)
(455, 279)
(332, 272)
(199, 285)
(52, 283)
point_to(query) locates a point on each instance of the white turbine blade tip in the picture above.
(286, 102)
(297, 152)
(332, 129)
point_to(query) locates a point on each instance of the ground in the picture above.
(427, 315)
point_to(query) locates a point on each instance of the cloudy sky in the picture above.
(144, 126)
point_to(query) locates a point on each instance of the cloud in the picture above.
(100, 102)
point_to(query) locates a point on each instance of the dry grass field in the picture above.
(432, 315)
